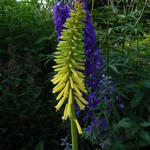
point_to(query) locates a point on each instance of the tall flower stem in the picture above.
(73, 129)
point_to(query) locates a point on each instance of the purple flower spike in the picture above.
(93, 60)
(91, 126)
(93, 101)
(103, 123)
(61, 13)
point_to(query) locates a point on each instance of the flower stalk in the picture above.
(70, 61)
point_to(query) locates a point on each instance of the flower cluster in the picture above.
(93, 63)
(93, 59)
(107, 88)
(70, 59)
(61, 13)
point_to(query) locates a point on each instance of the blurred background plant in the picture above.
(120, 121)
(123, 36)
(27, 41)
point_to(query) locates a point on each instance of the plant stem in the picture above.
(141, 13)
(73, 129)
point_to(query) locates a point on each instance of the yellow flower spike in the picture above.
(69, 59)
(60, 103)
(82, 107)
(78, 126)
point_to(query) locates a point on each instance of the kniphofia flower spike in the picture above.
(70, 59)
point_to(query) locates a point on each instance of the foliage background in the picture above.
(27, 42)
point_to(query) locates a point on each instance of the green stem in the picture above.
(73, 130)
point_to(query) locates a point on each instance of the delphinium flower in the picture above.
(70, 60)
(61, 13)
(93, 64)
(93, 59)
(107, 88)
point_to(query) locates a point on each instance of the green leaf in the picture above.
(109, 31)
(136, 99)
(125, 123)
(145, 136)
(145, 124)
(114, 68)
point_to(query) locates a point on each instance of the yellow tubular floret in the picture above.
(60, 95)
(64, 79)
(66, 90)
(69, 110)
(58, 69)
(57, 88)
(63, 70)
(58, 77)
(71, 82)
(78, 126)
(74, 72)
(79, 103)
(81, 99)
(70, 96)
(82, 89)
(65, 113)
(58, 66)
(55, 81)
(80, 74)
(77, 90)
(60, 104)
(77, 80)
